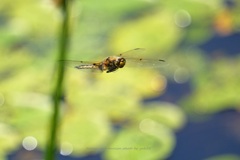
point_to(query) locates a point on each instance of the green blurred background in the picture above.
(133, 113)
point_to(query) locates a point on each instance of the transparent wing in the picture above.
(136, 58)
(134, 53)
(139, 62)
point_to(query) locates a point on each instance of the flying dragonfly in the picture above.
(113, 63)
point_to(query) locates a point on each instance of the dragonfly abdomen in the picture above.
(86, 67)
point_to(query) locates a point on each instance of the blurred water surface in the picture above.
(181, 111)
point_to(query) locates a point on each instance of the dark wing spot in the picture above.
(161, 60)
(140, 59)
(137, 48)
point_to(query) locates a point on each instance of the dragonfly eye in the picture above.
(121, 62)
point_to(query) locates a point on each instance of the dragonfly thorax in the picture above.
(113, 63)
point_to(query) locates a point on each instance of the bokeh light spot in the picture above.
(181, 75)
(66, 149)
(158, 83)
(147, 125)
(29, 143)
(182, 18)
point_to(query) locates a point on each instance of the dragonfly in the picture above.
(113, 63)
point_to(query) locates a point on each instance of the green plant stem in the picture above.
(52, 141)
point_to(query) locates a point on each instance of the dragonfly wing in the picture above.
(132, 53)
(136, 58)
(150, 63)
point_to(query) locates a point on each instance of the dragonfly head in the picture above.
(120, 62)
